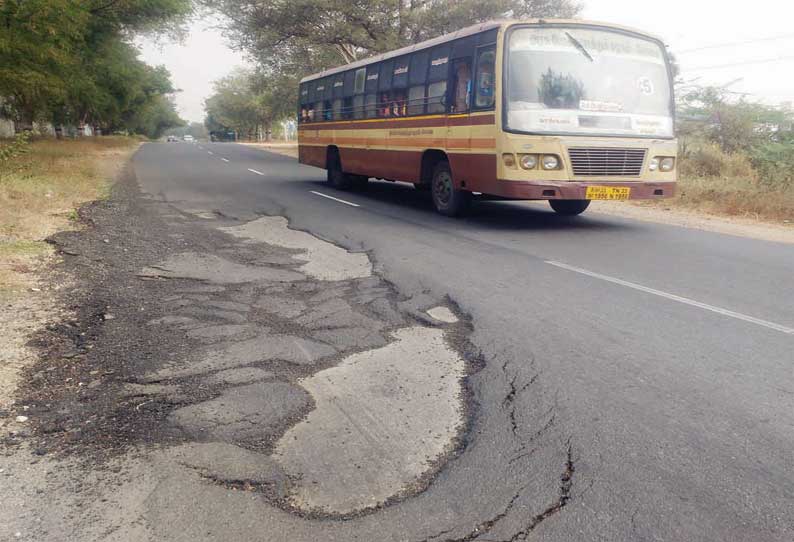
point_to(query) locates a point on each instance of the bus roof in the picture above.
(468, 31)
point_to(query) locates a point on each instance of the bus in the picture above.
(567, 111)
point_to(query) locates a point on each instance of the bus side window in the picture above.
(461, 86)
(485, 79)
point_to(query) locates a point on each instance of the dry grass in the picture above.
(286, 149)
(39, 193)
(720, 183)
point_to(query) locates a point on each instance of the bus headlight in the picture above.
(509, 160)
(528, 161)
(653, 165)
(667, 164)
(550, 161)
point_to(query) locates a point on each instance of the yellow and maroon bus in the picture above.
(561, 110)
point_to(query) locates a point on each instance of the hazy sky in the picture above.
(746, 33)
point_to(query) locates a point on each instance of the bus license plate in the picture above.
(607, 192)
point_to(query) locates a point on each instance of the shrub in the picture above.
(703, 159)
(774, 162)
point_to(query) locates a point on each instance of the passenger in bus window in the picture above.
(384, 106)
(462, 88)
(310, 114)
(398, 104)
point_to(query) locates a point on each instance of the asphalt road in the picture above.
(660, 356)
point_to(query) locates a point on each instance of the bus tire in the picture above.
(359, 182)
(335, 176)
(569, 207)
(447, 199)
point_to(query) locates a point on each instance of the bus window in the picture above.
(338, 109)
(485, 79)
(398, 103)
(416, 100)
(436, 94)
(361, 78)
(358, 106)
(347, 108)
(384, 107)
(461, 87)
(371, 106)
(318, 111)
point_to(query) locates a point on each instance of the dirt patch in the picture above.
(285, 149)
(664, 214)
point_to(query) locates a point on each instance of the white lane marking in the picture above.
(224, 159)
(678, 298)
(335, 199)
(210, 152)
(255, 171)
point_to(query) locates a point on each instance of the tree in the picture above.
(248, 101)
(70, 61)
(341, 31)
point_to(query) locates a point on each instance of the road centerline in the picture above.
(335, 199)
(255, 171)
(674, 297)
(225, 159)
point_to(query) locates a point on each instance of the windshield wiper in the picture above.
(580, 47)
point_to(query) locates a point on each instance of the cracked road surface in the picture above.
(603, 379)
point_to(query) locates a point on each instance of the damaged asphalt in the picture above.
(237, 355)
(208, 385)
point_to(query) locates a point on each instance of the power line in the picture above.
(742, 63)
(731, 44)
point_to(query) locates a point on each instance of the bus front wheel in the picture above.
(569, 207)
(447, 199)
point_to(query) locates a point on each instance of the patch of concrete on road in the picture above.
(212, 334)
(286, 307)
(211, 268)
(383, 418)
(248, 412)
(442, 314)
(263, 348)
(230, 464)
(324, 260)
(243, 375)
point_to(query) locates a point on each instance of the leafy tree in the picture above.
(70, 61)
(246, 101)
(342, 31)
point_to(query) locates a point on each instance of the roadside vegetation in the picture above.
(68, 64)
(736, 157)
(41, 185)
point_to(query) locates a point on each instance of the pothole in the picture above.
(382, 419)
(324, 261)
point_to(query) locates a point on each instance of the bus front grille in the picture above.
(606, 162)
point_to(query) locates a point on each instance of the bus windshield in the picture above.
(569, 80)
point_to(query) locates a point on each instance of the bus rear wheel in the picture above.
(335, 176)
(569, 207)
(447, 199)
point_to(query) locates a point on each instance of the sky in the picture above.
(750, 46)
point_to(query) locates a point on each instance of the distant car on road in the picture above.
(188, 138)
(172, 139)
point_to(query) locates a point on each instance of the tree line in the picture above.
(71, 62)
(287, 40)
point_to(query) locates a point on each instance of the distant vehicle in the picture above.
(172, 139)
(188, 138)
(564, 111)
(223, 135)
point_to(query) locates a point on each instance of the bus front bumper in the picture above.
(577, 189)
